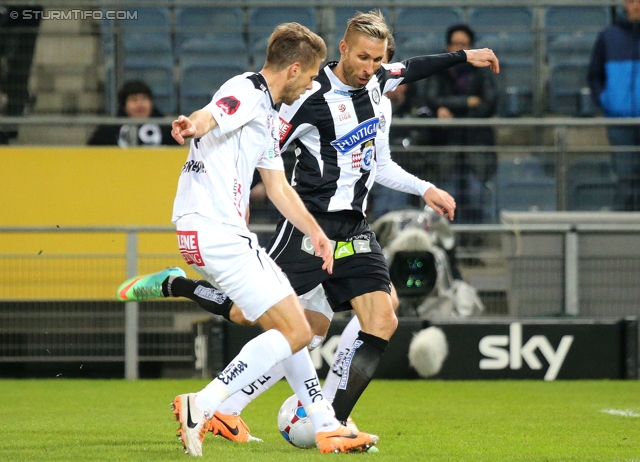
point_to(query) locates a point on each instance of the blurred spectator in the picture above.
(463, 91)
(614, 78)
(18, 33)
(135, 100)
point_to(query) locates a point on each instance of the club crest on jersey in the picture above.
(364, 158)
(375, 94)
(362, 133)
(367, 157)
(229, 104)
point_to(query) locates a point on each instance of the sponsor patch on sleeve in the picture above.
(396, 68)
(285, 128)
(228, 104)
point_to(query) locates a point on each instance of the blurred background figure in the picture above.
(18, 33)
(463, 91)
(615, 86)
(135, 100)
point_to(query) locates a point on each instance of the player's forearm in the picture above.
(395, 177)
(203, 121)
(421, 67)
(287, 201)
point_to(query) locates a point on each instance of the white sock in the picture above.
(348, 337)
(241, 399)
(255, 359)
(303, 379)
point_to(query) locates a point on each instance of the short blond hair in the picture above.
(291, 42)
(371, 24)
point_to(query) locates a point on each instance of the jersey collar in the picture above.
(261, 83)
(337, 83)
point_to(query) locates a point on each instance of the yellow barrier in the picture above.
(81, 186)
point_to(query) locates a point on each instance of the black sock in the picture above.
(204, 294)
(360, 365)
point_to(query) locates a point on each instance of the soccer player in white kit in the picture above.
(234, 134)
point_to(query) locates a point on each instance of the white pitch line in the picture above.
(621, 412)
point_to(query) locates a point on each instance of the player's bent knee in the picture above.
(383, 325)
(299, 340)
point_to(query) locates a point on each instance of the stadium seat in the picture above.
(515, 83)
(592, 185)
(425, 44)
(508, 45)
(581, 22)
(423, 24)
(148, 36)
(574, 18)
(146, 51)
(500, 19)
(522, 185)
(414, 19)
(263, 20)
(213, 34)
(200, 80)
(216, 49)
(574, 46)
(569, 93)
(225, 24)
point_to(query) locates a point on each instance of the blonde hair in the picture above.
(292, 42)
(371, 24)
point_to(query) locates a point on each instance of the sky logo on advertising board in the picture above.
(363, 132)
(497, 356)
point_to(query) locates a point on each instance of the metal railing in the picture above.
(511, 255)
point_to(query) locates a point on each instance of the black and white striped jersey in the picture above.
(334, 127)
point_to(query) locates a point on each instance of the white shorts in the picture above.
(230, 258)
(316, 300)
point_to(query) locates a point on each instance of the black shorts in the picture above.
(359, 266)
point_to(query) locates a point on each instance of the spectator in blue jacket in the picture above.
(614, 78)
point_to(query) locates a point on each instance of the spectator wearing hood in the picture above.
(135, 100)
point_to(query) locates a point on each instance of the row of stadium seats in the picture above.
(527, 183)
(200, 47)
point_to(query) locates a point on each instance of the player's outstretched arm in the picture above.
(196, 125)
(440, 201)
(287, 201)
(482, 58)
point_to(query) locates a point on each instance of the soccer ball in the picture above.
(294, 424)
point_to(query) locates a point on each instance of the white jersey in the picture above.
(389, 173)
(216, 178)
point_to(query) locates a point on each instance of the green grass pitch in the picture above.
(87, 420)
